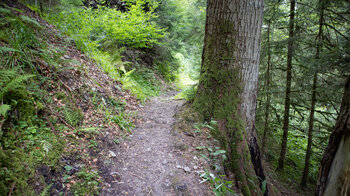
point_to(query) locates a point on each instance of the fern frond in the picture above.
(6, 76)
(4, 49)
(5, 11)
(4, 108)
(73, 116)
(46, 190)
(30, 21)
(14, 84)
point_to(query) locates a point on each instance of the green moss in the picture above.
(60, 95)
(16, 168)
(218, 97)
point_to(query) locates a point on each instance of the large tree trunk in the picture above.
(227, 90)
(334, 173)
(288, 87)
(303, 183)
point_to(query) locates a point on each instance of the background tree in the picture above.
(334, 178)
(331, 69)
(313, 97)
(227, 90)
(288, 86)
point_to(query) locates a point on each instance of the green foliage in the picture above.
(102, 33)
(30, 21)
(14, 96)
(328, 64)
(11, 82)
(185, 22)
(25, 140)
(19, 35)
(88, 181)
(89, 27)
(89, 132)
(116, 103)
(142, 83)
(188, 93)
(15, 171)
(123, 122)
(220, 186)
(46, 190)
(93, 144)
(72, 115)
(4, 108)
(22, 153)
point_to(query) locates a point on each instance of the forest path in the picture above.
(150, 162)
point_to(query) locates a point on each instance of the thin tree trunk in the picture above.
(309, 140)
(227, 90)
(303, 183)
(267, 86)
(288, 87)
(334, 173)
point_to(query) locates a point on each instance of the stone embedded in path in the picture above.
(187, 169)
(112, 154)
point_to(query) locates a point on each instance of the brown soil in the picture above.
(151, 161)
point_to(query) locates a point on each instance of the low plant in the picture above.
(72, 115)
(93, 144)
(189, 93)
(220, 186)
(25, 147)
(102, 33)
(142, 83)
(123, 122)
(88, 132)
(87, 184)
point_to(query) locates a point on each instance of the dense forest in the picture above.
(174, 97)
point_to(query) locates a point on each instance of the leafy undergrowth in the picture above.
(205, 144)
(206, 147)
(103, 34)
(58, 111)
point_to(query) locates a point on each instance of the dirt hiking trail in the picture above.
(150, 162)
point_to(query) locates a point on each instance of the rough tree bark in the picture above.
(227, 90)
(303, 183)
(334, 173)
(288, 87)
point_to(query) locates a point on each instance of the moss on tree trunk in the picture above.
(227, 88)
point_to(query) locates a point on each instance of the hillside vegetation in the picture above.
(78, 77)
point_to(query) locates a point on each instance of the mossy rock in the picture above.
(180, 145)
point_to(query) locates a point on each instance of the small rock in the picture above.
(114, 173)
(195, 167)
(167, 183)
(66, 57)
(187, 169)
(180, 146)
(112, 153)
(178, 166)
(181, 186)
